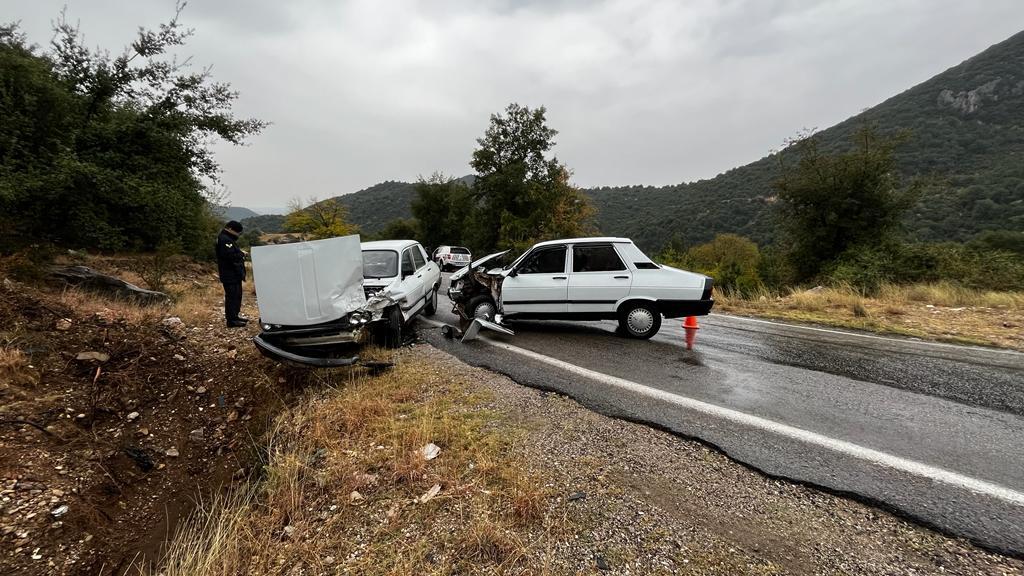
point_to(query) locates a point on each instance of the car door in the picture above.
(412, 282)
(429, 273)
(538, 284)
(598, 280)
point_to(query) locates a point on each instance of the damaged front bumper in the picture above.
(327, 345)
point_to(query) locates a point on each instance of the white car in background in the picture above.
(452, 257)
(319, 300)
(581, 279)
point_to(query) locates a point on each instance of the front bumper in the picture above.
(309, 358)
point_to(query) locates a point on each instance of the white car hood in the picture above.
(476, 263)
(308, 283)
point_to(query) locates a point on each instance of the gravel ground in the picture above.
(629, 499)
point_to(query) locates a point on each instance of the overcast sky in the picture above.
(642, 92)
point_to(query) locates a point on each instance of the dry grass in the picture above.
(939, 311)
(343, 478)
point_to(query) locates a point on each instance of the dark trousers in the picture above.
(232, 300)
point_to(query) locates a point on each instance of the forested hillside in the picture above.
(966, 136)
(966, 129)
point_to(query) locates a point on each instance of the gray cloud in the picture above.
(644, 92)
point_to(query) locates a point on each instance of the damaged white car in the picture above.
(580, 279)
(319, 300)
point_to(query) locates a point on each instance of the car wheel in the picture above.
(481, 307)
(390, 333)
(430, 308)
(639, 320)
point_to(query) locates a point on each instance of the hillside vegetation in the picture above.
(965, 131)
(966, 139)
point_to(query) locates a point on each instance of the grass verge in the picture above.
(346, 485)
(941, 312)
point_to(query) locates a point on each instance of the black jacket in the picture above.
(230, 260)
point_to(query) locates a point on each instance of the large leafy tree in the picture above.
(442, 207)
(833, 204)
(319, 219)
(110, 152)
(520, 194)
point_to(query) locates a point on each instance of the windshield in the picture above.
(459, 250)
(380, 263)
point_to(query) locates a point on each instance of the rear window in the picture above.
(600, 258)
(458, 250)
(380, 263)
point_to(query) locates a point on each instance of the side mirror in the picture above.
(513, 273)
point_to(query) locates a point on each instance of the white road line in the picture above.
(841, 446)
(868, 336)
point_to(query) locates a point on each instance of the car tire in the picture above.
(640, 320)
(430, 308)
(389, 334)
(481, 307)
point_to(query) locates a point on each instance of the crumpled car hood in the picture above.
(308, 283)
(475, 264)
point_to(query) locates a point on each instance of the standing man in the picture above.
(231, 268)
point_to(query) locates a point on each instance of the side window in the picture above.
(417, 257)
(408, 266)
(596, 259)
(544, 261)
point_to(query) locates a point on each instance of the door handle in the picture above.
(622, 277)
(559, 278)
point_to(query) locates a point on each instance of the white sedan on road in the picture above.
(581, 279)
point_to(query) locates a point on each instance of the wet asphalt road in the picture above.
(933, 432)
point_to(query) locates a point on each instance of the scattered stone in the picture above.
(59, 511)
(196, 435)
(179, 357)
(232, 416)
(429, 494)
(92, 356)
(172, 452)
(232, 354)
(329, 560)
(143, 431)
(355, 497)
(577, 496)
(289, 531)
(201, 390)
(133, 416)
(430, 451)
(602, 564)
(64, 324)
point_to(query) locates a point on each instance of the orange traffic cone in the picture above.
(690, 327)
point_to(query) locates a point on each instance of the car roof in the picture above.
(388, 244)
(607, 239)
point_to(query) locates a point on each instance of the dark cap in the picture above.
(234, 225)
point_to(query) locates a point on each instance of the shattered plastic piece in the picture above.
(430, 451)
(474, 329)
(97, 356)
(429, 494)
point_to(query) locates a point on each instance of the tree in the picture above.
(399, 229)
(110, 153)
(520, 195)
(442, 207)
(319, 219)
(731, 260)
(835, 203)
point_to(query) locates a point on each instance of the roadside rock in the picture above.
(64, 324)
(92, 356)
(173, 452)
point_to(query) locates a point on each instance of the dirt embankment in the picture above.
(115, 418)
